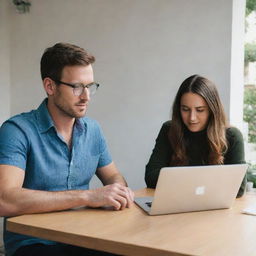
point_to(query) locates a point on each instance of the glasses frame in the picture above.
(78, 85)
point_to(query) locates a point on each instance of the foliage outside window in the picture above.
(250, 90)
(250, 93)
(249, 53)
(250, 6)
(250, 112)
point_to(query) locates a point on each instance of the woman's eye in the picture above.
(200, 110)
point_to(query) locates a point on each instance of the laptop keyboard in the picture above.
(148, 204)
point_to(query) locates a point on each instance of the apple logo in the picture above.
(200, 190)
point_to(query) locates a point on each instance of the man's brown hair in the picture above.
(55, 58)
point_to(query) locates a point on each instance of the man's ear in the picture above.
(49, 86)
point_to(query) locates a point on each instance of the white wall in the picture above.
(4, 61)
(237, 64)
(4, 72)
(144, 50)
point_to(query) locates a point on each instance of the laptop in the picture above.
(194, 188)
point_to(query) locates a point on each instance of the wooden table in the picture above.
(132, 232)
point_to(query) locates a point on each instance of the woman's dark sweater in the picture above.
(197, 151)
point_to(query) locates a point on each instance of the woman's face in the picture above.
(194, 111)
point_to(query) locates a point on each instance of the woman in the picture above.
(198, 133)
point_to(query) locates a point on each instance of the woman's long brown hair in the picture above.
(216, 128)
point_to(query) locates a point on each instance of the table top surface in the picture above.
(133, 232)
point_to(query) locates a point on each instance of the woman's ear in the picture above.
(49, 86)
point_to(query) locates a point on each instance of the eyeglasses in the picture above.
(78, 89)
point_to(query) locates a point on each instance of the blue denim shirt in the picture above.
(31, 142)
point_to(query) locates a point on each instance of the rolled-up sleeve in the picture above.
(13, 145)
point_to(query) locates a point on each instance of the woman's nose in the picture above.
(193, 115)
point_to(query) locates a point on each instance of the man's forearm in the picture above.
(17, 201)
(22, 201)
(116, 178)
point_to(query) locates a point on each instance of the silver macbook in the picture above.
(194, 188)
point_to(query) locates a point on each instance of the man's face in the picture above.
(65, 100)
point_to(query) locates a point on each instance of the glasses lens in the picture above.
(92, 88)
(78, 90)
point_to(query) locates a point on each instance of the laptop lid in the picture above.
(195, 188)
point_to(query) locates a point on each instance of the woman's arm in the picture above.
(160, 156)
(235, 153)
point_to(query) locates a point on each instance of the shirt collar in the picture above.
(80, 125)
(45, 121)
(195, 134)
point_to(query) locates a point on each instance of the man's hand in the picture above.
(115, 195)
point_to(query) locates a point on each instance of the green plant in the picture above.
(22, 5)
(251, 174)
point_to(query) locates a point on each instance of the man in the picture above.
(49, 155)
